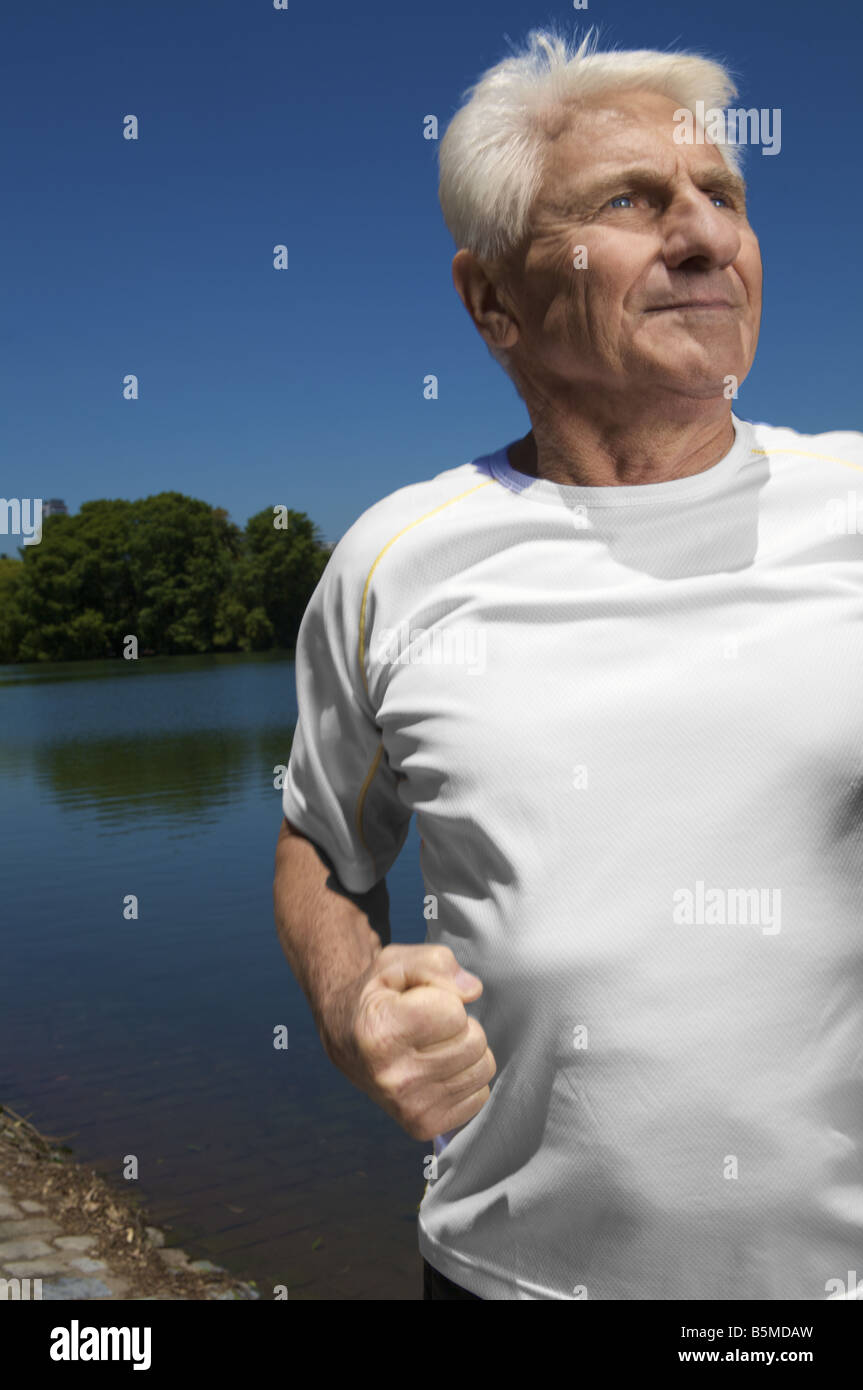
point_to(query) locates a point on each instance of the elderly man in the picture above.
(634, 1031)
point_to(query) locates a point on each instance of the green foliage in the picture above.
(170, 569)
(13, 624)
(277, 572)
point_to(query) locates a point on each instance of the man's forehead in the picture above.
(623, 125)
(602, 140)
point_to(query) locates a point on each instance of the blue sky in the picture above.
(304, 127)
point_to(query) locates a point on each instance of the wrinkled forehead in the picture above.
(617, 127)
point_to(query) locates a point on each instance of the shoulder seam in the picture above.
(805, 453)
(361, 643)
(361, 801)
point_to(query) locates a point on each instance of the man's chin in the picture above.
(693, 385)
(699, 374)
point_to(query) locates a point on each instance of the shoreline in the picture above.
(83, 1237)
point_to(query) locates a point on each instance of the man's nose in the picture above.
(696, 230)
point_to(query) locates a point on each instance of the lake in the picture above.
(154, 1036)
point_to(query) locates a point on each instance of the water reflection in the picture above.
(154, 1036)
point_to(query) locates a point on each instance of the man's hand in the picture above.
(401, 1033)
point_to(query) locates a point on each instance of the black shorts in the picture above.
(436, 1285)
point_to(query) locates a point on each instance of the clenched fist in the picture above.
(401, 1033)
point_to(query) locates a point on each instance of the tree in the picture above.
(172, 570)
(279, 570)
(13, 624)
(181, 554)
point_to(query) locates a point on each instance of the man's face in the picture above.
(662, 224)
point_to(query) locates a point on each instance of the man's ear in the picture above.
(482, 291)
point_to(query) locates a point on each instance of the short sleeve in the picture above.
(339, 789)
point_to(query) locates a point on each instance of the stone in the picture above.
(155, 1236)
(23, 1250)
(32, 1206)
(88, 1266)
(26, 1269)
(74, 1242)
(9, 1211)
(4, 1191)
(206, 1267)
(27, 1226)
(174, 1259)
(58, 1289)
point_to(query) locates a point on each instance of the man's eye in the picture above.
(623, 198)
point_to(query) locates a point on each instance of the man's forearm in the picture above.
(326, 933)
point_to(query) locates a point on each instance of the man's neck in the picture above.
(651, 448)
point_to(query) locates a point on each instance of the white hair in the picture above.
(491, 156)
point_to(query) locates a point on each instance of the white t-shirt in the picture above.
(629, 721)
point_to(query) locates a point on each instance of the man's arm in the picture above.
(390, 1017)
(329, 935)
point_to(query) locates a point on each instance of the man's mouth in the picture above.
(712, 304)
